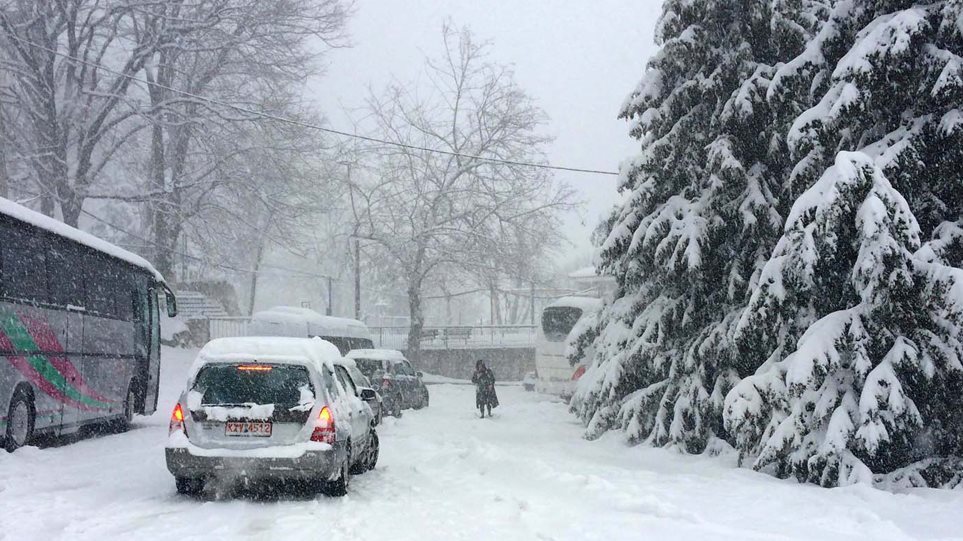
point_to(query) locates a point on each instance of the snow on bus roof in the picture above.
(587, 304)
(376, 354)
(273, 349)
(316, 323)
(22, 213)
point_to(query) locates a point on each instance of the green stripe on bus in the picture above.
(24, 343)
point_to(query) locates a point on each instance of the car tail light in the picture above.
(324, 430)
(386, 383)
(177, 420)
(254, 368)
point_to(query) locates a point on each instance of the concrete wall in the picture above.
(508, 364)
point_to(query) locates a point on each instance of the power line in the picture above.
(291, 121)
(285, 269)
(201, 259)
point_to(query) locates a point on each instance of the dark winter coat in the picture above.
(484, 381)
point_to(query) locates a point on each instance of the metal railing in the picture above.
(457, 337)
(224, 327)
(396, 337)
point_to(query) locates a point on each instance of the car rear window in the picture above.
(237, 384)
(368, 367)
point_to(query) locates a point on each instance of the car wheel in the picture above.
(189, 486)
(339, 487)
(20, 421)
(374, 449)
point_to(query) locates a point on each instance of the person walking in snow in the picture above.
(484, 380)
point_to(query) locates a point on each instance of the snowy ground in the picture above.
(444, 474)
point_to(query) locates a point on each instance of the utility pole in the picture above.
(330, 310)
(532, 314)
(357, 251)
(357, 278)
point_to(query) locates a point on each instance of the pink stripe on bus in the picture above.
(23, 366)
(46, 340)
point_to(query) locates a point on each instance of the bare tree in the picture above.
(78, 111)
(248, 53)
(433, 213)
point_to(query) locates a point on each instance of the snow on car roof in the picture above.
(22, 213)
(346, 362)
(376, 354)
(315, 323)
(272, 349)
(587, 304)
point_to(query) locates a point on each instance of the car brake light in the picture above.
(324, 430)
(385, 383)
(177, 420)
(254, 368)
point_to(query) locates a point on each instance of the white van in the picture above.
(346, 334)
(556, 375)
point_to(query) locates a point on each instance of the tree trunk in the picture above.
(417, 320)
(71, 207)
(4, 172)
(4, 180)
(257, 268)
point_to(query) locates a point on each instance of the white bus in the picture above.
(346, 334)
(555, 374)
(79, 329)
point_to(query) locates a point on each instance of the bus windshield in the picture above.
(557, 321)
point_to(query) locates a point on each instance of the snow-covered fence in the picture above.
(457, 337)
(396, 337)
(223, 327)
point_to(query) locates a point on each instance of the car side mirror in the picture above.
(367, 393)
(419, 374)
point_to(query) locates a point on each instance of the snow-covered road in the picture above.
(446, 475)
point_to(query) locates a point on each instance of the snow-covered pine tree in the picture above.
(700, 219)
(859, 323)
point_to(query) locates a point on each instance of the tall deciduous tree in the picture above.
(72, 63)
(430, 213)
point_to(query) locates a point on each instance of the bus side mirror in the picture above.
(171, 302)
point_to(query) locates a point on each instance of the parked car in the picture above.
(528, 382)
(270, 409)
(392, 375)
(361, 382)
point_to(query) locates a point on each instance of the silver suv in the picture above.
(270, 409)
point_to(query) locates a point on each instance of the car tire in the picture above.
(374, 450)
(189, 486)
(420, 403)
(339, 487)
(21, 420)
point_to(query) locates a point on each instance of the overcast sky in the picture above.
(578, 59)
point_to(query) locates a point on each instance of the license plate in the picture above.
(248, 429)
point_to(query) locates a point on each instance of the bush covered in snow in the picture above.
(788, 255)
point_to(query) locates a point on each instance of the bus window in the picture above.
(65, 279)
(98, 295)
(24, 265)
(557, 321)
(122, 291)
